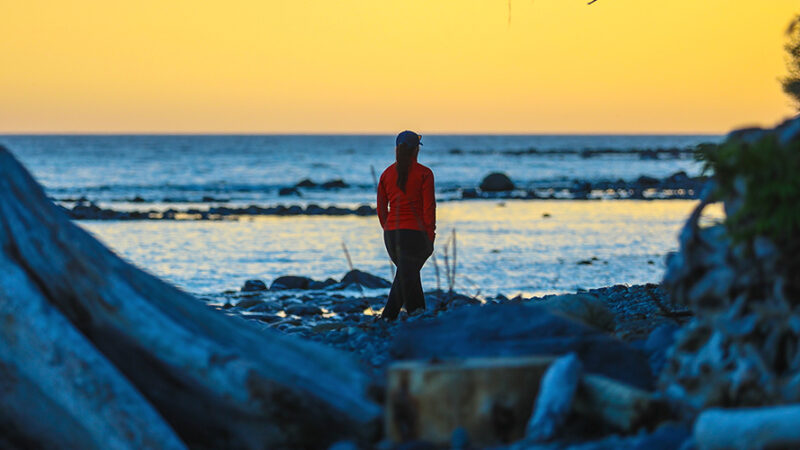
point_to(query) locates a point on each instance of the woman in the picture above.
(407, 212)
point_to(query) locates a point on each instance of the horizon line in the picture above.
(359, 133)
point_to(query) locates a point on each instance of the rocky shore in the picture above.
(621, 332)
(494, 186)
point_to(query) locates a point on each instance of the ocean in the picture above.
(503, 246)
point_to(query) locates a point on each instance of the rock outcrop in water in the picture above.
(97, 353)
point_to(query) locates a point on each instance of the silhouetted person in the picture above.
(407, 212)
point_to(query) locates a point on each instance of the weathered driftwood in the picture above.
(555, 399)
(743, 346)
(491, 398)
(775, 427)
(623, 407)
(217, 381)
(56, 389)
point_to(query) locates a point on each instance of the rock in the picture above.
(294, 210)
(254, 286)
(497, 182)
(365, 210)
(314, 210)
(249, 303)
(262, 307)
(316, 285)
(305, 183)
(355, 306)
(303, 310)
(521, 330)
(648, 154)
(365, 279)
(469, 193)
(290, 282)
(459, 439)
(285, 191)
(749, 135)
(586, 308)
(334, 184)
(645, 181)
(678, 177)
(657, 344)
(554, 401)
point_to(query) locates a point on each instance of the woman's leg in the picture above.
(415, 251)
(395, 300)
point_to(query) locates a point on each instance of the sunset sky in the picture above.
(375, 66)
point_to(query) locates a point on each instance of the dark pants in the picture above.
(409, 249)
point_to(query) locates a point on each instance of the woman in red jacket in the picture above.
(407, 212)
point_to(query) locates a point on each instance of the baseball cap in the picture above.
(409, 139)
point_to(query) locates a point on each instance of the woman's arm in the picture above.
(429, 206)
(383, 203)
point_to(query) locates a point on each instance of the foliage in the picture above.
(791, 84)
(765, 176)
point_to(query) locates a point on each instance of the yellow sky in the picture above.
(382, 65)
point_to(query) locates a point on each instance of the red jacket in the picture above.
(414, 209)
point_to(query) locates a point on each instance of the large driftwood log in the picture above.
(218, 381)
(56, 389)
(769, 427)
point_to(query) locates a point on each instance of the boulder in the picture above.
(290, 282)
(586, 308)
(497, 182)
(365, 279)
(521, 330)
(254, 286)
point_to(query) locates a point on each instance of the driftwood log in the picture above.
(492, 400)
(743, 428)
(103, 350)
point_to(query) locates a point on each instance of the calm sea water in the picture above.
(506, 247)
